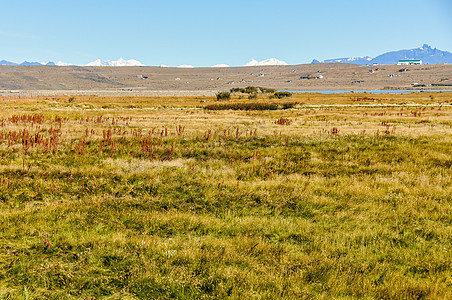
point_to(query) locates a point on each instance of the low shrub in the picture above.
(441, 84)
(251, 106)
(283, 121)
(281, 95)
(253, 90)
(223, 96)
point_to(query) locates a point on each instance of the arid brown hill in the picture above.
(298, 77)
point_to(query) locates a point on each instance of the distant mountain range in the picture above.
(132, 62)
(427, 54)
(97, 63)
(267, 62)
(25, 63)
(115, 63)
(365, 60)
(252, 63)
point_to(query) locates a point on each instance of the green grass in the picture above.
(222, 213)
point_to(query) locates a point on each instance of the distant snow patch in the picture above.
(221, 66)
(252, 63)
(163, 66)
(267, 62)
(185, 66)
(115, 63)
(356, 58)
(63, 64)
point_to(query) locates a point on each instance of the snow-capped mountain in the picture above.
(427, 54)
(267, 62)
(220, 66)
(185, 66)
(348, 60)
(63, 64)
(112, 63)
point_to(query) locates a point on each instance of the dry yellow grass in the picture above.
(164, 199)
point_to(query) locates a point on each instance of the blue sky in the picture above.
(204, 33)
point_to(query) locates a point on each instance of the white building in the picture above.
(409, 62)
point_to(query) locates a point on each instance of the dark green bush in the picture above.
(237, 90)
(223, 96)
(281, 95)
(267, 90)
(253, 90)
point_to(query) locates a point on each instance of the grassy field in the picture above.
(343, 196)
